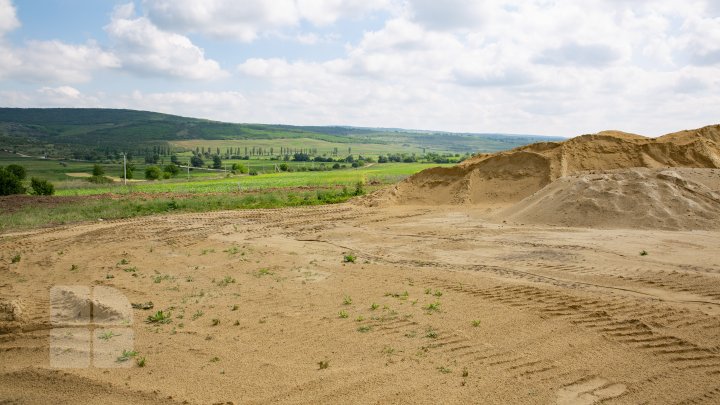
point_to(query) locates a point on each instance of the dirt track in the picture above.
(566, 315)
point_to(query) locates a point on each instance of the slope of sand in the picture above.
(499, 179)
(442, 307)
(628, 198)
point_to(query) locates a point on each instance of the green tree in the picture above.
(284, 166)
(98, 171)
(10, 183)
(17, 170)
(217, 162)
(196, 161)
(239, 168)
(153, 173)
(172, 170)
(42, 186)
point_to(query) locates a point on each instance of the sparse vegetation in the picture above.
(15, 259)
(433, 307)
(476, 323)
(322, 365)
(643, 253)
(160, 317)
(349, 258)
(343, 314)
(106, 335)
(126, 355)
(226, 281)
(347, 300)
(364, 328)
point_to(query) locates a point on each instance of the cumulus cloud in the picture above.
(246, 20)
(8, 17)
(574, 54)
(144, 48)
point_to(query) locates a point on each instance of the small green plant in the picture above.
(206, 251)
(444, 370)
(197, 314)
(215, 322)
(74, 268)
(465, 372)
(215, 359)
(347, 300)
(15, 259)
(130, 270)
(106, 335)
(643, 253)
(374, 306)
(428, 291)
(123, 262)
(126, 355)
(232, 251)
(476, 323)
(364, 329)
(263, 272)
(360, 318)
(349, 258)
(433, 307)
(140, 361)
(160, 317)
(438, 293)
(323, 364)
(431, 334)
(226, 281)
(343, 314)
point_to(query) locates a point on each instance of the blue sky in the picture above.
(556, 67)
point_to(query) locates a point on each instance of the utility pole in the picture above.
(188, 167)
(124, 169)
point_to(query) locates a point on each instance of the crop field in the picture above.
(322, 147)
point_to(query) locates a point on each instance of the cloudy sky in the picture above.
(555, 67)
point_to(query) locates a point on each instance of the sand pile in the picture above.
(628, 198)
(502, 179)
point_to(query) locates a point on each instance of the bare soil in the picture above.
(467, 310)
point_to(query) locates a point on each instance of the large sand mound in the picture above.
(629, 198)
(500, 179)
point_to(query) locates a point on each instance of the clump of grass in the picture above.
(364, 328)
(157, 279)
(140, 361)
(215, 359)
(438, 293)
(323, 364)
(465, 372)
(232, 251)
(160, 317)
(343, 314)
(15, 259)
(428, 291)
(123, 262)
(374, 306)
(126, 355)
(226, 281)
(349, 258)
(197, 314)
(215, 322)
(130, 270)
(360, 318)
(643, 253)
(444, 370)
(433, 307)
(206, 251)
(347, 300)
(106, 335)
(263, 272)
(431, 334)
(476, 323)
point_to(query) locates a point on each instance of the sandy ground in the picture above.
(563, 315)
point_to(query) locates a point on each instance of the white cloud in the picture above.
(146, 49)
(247, 20)
(8, 17)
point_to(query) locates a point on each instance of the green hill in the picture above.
(64, 132)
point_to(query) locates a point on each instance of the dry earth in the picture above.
(565, 315)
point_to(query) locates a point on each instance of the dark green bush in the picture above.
(42, 186)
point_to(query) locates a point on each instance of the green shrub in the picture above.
(153, 173)
(98, 171)
(172, 170)
(17, 170)
(10, 183)
(42, 186)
